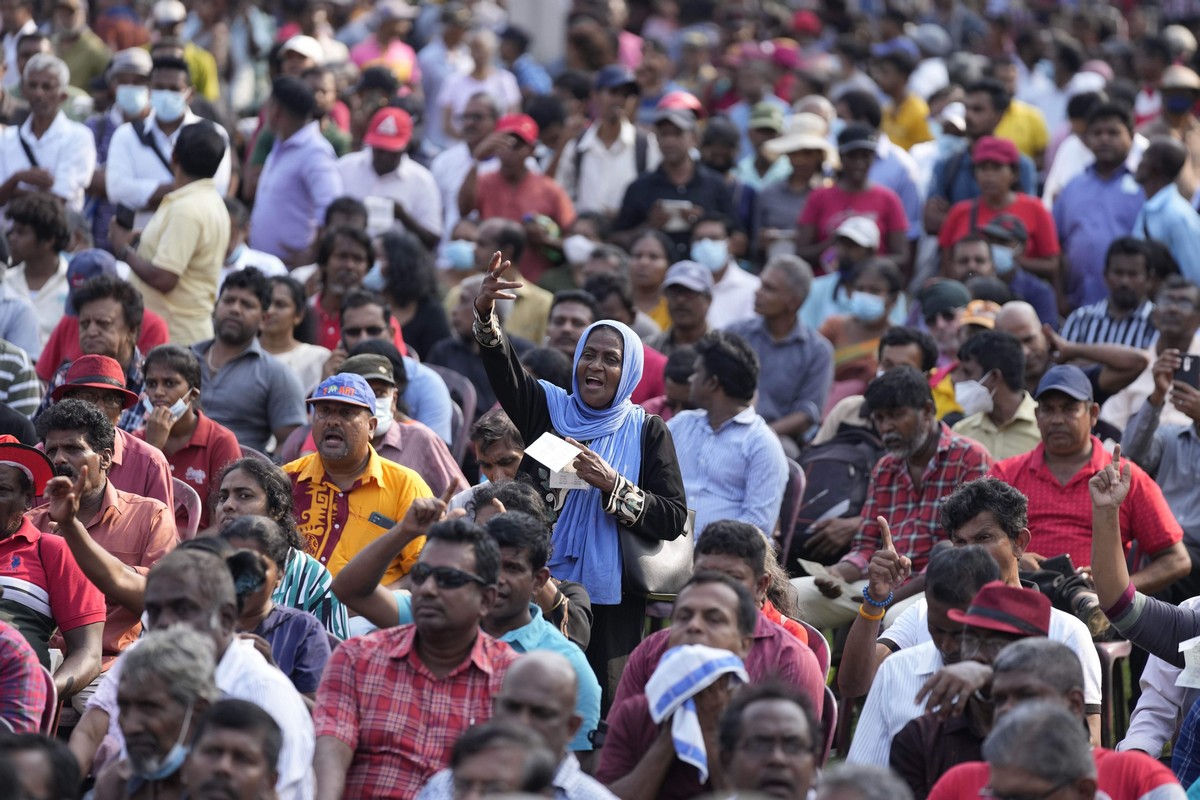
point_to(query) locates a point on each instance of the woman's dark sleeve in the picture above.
(1158, 627)
(521, 397)
(427, 327)
(655, 507)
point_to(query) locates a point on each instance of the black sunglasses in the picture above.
(444, 577)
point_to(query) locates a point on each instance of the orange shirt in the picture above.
(535, 194)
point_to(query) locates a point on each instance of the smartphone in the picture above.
(1189, 373)
(677, 219)
(125, 216)
(379, 519)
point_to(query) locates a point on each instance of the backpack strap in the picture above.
(641, 148)
(147, 139)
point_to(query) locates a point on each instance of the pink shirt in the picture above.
(828, 208)
(398, 57)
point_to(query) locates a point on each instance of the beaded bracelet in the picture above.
(887, 601)
(862, 612)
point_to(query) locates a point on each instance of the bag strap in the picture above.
(578, 160)
(974, 224)
(641, 151)
(33, 162)
(147, 139)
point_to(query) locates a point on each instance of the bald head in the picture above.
(1019, 319)
(193, 587)
(550, 672)
(539, 691)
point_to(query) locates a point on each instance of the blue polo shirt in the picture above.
(1170, 219)
(1090, 212)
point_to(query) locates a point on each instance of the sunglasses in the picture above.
(944, 316)
(444, 577)
(354, 333)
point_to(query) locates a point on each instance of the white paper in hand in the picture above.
(1190, 676)
(381, 214)
(559, 457)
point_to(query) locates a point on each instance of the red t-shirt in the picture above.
(1122, 776)
(535, 194)
(329, 328)
(829, 207)
(1043, 236)
(651, 384)
(63, 345)
(201, 460)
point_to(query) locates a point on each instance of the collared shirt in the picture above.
(928, 746)
(305, 584)
(747, 172)
(1095, 325)
(67, 150)
(1015, 437)
(1119, 776)
(22, 690)
(48, 301)
(410, 185)
(1120, 408)
(1090, 212)
(336, 525)
(732, 297)
(1163, 704)
(570, 783)
(132, 418)
(1169, 218)
(604, 172)
(1172, 454)
(19, 386)
(912, 512)
(243, 674)
(187, 237)
(438, 62)
(138, 531)
(299, 180)
(379, 699)
(329, 326)
(525, 317)
(200, 461)
(63, 348)
(779, 206)
(737, 471)
(450, 168)
(1073, 156)
(1060, 515)
(535, 194)
(795, 372)
(19, 320)
(1024, 126)
(246, 386)
(891, 704)
(907, 124)
(133, 172)
(139, 469)
(954, 176)
(44, 588)
(299, 645)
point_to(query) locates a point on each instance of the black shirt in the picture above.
(706, 189)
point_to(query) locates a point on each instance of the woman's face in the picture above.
(164, 386)
(598, 371)
(260, 600)
(806, 163)
(282, 314)
(648, 264)
(871, 282)
(994, 179)
(240, 494)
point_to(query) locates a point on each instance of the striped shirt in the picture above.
(1093, 325)
(891, 703)
(306, 586)
(20, 389)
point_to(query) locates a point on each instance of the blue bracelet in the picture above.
(887, 601)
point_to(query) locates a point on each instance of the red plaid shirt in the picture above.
(1060, 516)
(22, 689)
(381, 701)
(912, 513)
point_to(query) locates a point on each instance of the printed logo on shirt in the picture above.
(195, 476)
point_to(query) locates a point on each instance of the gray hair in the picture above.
(484, 37)
(1052, 662)
(613, 255)
(795, 270)
(45, 62)
(492, 102)
(1044, 739)
(178, 656)
(867, 781)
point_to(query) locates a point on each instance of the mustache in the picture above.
(65, 471)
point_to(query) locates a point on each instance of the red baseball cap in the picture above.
(805, 21)
(95, 372)
(996, 150)
(520, 125)
(390, 130)
(1007, 609)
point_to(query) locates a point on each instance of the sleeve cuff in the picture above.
(627, 502)
(858, 560)
(487, 331)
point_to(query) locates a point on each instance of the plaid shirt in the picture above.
(22, 690)
(381, 701)
(912, 513)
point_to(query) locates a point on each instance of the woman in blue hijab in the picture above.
(627, 459)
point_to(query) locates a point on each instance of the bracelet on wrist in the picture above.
(862, 612)
(887, 601)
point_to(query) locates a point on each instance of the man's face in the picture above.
(14, 500)
(103, 330)
(181, 600)
(735, 568)
(1109, 140)
(385, 162)
(70, 452)
(1177, 312)
(342, 431)
(43, 92)
(1065, 423)
(454, 610)
(613, 104)
(567, 323)
(67, 16)
(12, 13)
(612, 307)
(981, 116)
(1033, 342)
(903, 430)
(27, 50)
(687, 309)
(170, 80)
(719, 156)
(498, 770)
(548, 710)
(774, 755)
(23, 243)
(945, 632)
(971, 259)
(293, 64)
(707, 614)
(944, 328)
(679, 395)
(1128, 280)
(900, 355)
(985, 530)
(674, 142)
(348, 264)
(111, 402)
(227, 764)
(517, 584)
(500, 460)
(1009, 689)
(362, 323)
(856, 164)
(476, 121)
(237, 316)
(701, 385)
(324, 88)
(151, 720)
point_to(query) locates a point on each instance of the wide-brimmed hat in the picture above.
(95, 372)
(804, 131)
(1007, 609)
(31, 461)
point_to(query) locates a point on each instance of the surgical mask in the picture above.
(176, 409)
(174, 758)
(866, 307)
(460, 254)
(974, 397)
(1003, 259)
(383, 415)
(373, 280)
(712, 253)
(237, 253)
(1178, 103)
(577, 248)
(169, 106)
(132, 100)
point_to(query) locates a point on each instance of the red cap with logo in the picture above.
(520, 125)
(390, 130)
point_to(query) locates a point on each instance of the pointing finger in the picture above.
(885, 532)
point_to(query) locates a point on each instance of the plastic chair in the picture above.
(820, 647)
(250, 452)
(1114, 720)
(188, 501)
(463, 393)
(829, 724)
(789, 510)
(49, 723)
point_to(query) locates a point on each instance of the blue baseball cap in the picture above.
(345, 388)
(85, 265)
(614, 76)
(1068, 379)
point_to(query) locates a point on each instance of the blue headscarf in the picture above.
(587, 549)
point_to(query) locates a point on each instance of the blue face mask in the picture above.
(176, 409)
(132, 100)
(712, 253)
(168, 105)
(866, 307)
(1003, 259)
(460, 253)
(174, 758)
(373, 280)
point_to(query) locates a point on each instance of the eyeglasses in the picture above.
(944, 316)
(988, 791)
(976, 644)
(444, 577)
(372, 330)
(765, 745)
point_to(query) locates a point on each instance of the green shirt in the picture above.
(87, 57)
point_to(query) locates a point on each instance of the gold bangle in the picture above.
(863, 613)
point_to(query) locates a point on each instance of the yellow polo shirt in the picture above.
(1024, 126)
(336, 526)
(187, 236)
(908, 123)
(1015, 438)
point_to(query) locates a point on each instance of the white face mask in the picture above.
(974, 397)
(383, 414)
(177, 408)
(577, 249)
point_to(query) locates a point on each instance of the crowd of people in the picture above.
(599, 398)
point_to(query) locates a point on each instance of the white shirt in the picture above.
(67, 150)
(13, 76)
(134, 172)
(604, 172)
(410, 185)
(243, 674)
(1162, 706)
(245, 256)
(450, 169)
(930, 76)
(911, 629)
(732, 297)
(49, 302)
(1119, 409)
(1073, 157)
(891, 703)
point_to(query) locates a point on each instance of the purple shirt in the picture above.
(1090, 213)
(299, 645)
(299, 181)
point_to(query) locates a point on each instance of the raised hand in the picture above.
(63, 496)
(1110, 485)
(888, 569)
(421, 516)
(494, 286)
(1164, 374)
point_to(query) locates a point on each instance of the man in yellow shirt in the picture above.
(345, 494)
(906, 117)
(1022, 124)
(177, 264)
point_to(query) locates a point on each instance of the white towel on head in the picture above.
(682, 673)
